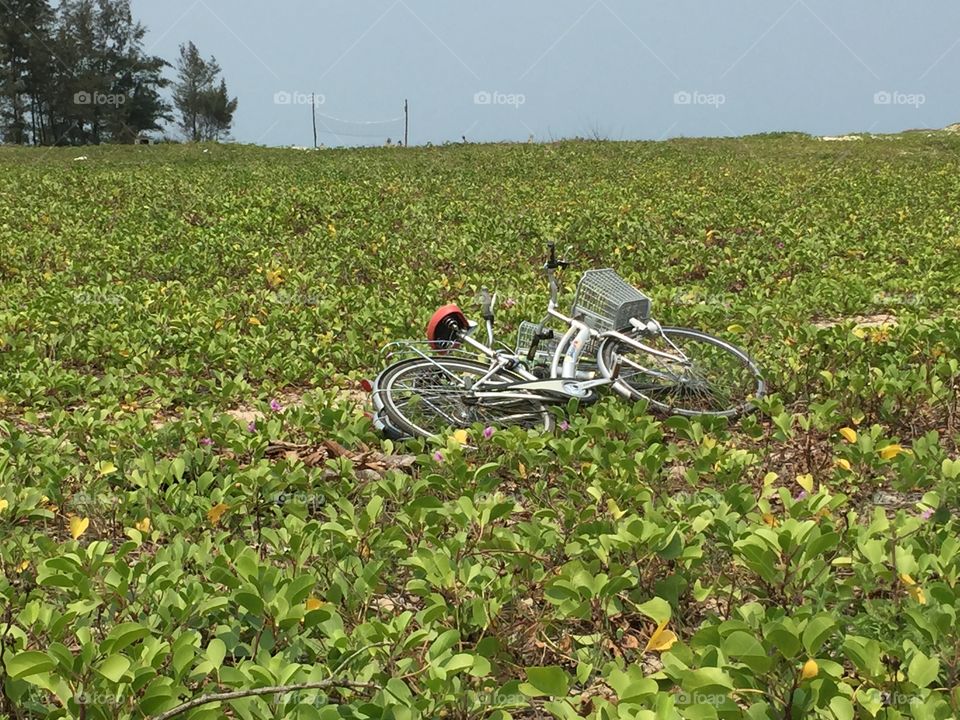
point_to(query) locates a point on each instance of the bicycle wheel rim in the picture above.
(423, 400)
(723, 380)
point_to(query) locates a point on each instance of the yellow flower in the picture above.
(661, 639)
(914, 590)
(849, 434)
(891, 451)
(4, 504)
(143, 526)
(810, 670)
(78, 526)
(460, 436)
(274, 278)
(254, 321)
(843, 463)
(806, 482)
(314, 604)
(216, 512)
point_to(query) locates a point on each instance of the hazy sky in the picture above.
(619, 69)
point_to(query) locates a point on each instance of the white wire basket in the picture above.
(608, 302)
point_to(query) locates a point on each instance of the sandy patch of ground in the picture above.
(861, 321)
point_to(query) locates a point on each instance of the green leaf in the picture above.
(783, 638)
(114, 667)
(864, 653)
(748, 650)
(216, 651)
(816, 632)
(178, 467)
(29, 662)
(950, 468)
(124, 635)
(460, 661)
(444, 642)
(922, 671)
(657, 609)
(707, 680)
(550, 680)
(842, 708)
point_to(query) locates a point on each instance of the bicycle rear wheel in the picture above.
(424, 397)
(721, 379)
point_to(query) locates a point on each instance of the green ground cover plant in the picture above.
(192, 501)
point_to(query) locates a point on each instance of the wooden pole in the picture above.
(313, 113)
(406, 123)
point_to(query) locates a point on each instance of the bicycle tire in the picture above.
(690, 386)
(459, 412)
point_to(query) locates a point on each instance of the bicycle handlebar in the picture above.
(552, 262)
(487, 303)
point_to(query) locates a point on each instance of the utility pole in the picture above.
(313, 113)
(406, 123)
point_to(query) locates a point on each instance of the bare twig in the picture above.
(236, 694)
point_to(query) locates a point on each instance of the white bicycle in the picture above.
(609, 339)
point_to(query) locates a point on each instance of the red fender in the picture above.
(437, 331)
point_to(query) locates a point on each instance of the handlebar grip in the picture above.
(486, 304)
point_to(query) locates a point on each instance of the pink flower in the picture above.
(801, 496)
(926, 514)
(252, 426)
(438, 456)
(206, 441)
(564, 426)
(488, 432)
(275, 405)
(509, 302)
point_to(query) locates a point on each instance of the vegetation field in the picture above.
(193, 502)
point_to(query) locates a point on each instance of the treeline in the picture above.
(78, 73)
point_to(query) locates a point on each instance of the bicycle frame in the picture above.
(563, 381)
(608, 316)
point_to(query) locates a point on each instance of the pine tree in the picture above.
(78, 74)
(206, 110)
(25, 27)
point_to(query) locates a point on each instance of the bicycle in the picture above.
(441, 383)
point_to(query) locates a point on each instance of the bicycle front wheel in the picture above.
(424, 397)
(720, 379)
